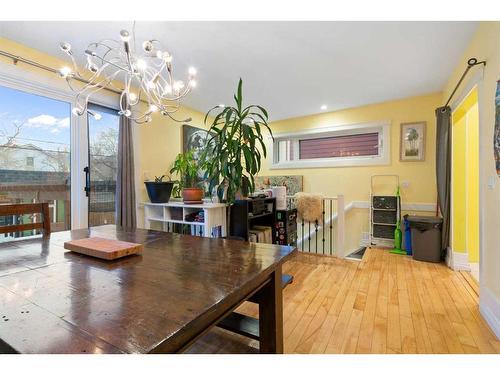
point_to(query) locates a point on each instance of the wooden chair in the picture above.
(26, 209)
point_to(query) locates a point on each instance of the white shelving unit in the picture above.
(169, 214)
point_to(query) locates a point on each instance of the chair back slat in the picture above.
(20, 227)
(24, 209)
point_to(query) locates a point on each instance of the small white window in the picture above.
(338, 146)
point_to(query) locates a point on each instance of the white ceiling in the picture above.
(291, 68)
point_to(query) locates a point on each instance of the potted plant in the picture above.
(158, 190)
(187, 168)
(234, 151)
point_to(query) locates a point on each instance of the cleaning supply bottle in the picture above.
(407, 236)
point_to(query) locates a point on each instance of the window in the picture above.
(34, 127)
(339, 146)
(103, 161)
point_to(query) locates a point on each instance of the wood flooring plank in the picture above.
(408, 341)
(352, 333)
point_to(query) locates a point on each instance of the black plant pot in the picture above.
(159, 192)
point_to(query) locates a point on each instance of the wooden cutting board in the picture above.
(103, 248)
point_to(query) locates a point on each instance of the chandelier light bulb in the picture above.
(147, 46)
(149, 118)
(125, 35)
(192, 71)
(151, 85)
(178, 85)
(132, 97)
(65, 71)
(77, 111)
(141, 64)
(192, 83)
(167, 90)
(65, 47)
(167, 57)
(92, 67)
(127, 113)
(153, 108)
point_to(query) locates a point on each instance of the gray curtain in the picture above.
(443, 169)
(125, 183)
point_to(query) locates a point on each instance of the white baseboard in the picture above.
(489, 306)
(457, 261)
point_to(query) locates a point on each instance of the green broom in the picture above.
(398, 235)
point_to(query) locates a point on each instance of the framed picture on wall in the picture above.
(412, 145)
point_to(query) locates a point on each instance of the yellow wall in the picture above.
(354, 182)
(155, 144)
(485, 45)
(458, 187)
(465, 178)
(473, 183)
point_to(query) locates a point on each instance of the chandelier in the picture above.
(147, 76)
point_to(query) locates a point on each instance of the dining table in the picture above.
(160, 301)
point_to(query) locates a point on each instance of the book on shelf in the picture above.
(264, 234)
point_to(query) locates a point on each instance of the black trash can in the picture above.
(426, 237)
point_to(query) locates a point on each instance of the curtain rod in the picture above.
(470, 64)
(15, 59)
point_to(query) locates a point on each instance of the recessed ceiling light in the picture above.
(323, 107)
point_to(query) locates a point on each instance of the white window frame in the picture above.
(19, 78)
(384, 157)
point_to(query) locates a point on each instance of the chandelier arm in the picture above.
(104, 42)
(98, 86)
(176, 120)
(115, 65)
(91, 80)
(104, 55)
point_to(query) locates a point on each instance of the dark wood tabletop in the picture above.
(56, 301)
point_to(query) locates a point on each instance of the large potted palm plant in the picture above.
(235, 147)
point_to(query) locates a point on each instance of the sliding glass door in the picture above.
(103, 129)
(35, 156)
(47, 154)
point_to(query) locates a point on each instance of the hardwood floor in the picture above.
(386, 303)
